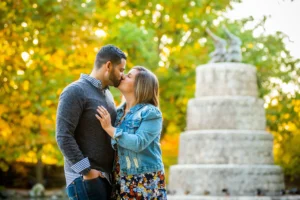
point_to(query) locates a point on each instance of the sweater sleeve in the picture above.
(70, 107)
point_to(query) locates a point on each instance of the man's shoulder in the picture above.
(74, 87)
(108, 92)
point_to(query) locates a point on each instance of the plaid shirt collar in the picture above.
(95, 82)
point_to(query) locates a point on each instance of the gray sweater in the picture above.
(79, 135)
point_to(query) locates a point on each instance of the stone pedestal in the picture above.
(225, 152)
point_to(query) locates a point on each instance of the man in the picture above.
(87, 151)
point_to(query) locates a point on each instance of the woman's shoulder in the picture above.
(150, 111)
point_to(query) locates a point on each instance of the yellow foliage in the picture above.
(172, 129)
(250, 45)
(29, 120)
(48, 151)
(48, 102)
(26, 104)
(29, 157)
(50, 160)
(272, 118)
(292, 127)
(59, 91)
(286, 116)
(2, 109)
(48, 155)
(26, 85)
(5, 130)
(297, 109)
(208, 9)
(296, 102)
(169, 146)
(161, 70)
(185, 101)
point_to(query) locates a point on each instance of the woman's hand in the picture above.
(104, 118)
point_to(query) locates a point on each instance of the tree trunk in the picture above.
(39, 171)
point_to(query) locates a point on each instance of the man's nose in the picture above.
(122, 76)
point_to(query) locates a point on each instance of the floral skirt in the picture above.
(139, 186)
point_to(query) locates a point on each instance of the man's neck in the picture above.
(99, 76)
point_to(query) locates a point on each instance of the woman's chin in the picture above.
(120, 87)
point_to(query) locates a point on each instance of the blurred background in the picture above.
(46, 44)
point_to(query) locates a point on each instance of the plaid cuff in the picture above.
(81, 165)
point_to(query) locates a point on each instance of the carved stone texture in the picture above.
(226, 147)
(226, 79)
(228, 112)
(237, 180)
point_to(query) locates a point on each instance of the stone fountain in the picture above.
(225, 152)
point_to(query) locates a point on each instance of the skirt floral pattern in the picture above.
(140, 186)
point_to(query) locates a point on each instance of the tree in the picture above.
(37, 55)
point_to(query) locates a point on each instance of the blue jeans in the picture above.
(94, 189)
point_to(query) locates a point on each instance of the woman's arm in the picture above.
(148, 130)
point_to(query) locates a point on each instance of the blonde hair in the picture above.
(146, 86)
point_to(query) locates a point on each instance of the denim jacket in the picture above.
(138, 139)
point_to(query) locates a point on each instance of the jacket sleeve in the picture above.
(70, 107)
(149, 129)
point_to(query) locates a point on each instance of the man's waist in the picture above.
(103, 166)
(71, 176)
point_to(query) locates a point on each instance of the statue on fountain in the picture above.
(221, 54)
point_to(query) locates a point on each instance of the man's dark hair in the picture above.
(109, 53)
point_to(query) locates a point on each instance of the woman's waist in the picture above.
(141, 169)
(139, 159)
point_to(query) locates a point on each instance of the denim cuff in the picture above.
(81, 166)
(113, 143)
(118, 132)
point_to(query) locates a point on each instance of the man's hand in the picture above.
(93, 174)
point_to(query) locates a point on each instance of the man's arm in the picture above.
(69, 110)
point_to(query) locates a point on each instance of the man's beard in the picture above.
(116, 82)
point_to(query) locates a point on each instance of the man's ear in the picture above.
(108, 65)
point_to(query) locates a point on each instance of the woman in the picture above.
(139, 170)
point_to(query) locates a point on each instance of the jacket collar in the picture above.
(133, 109)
